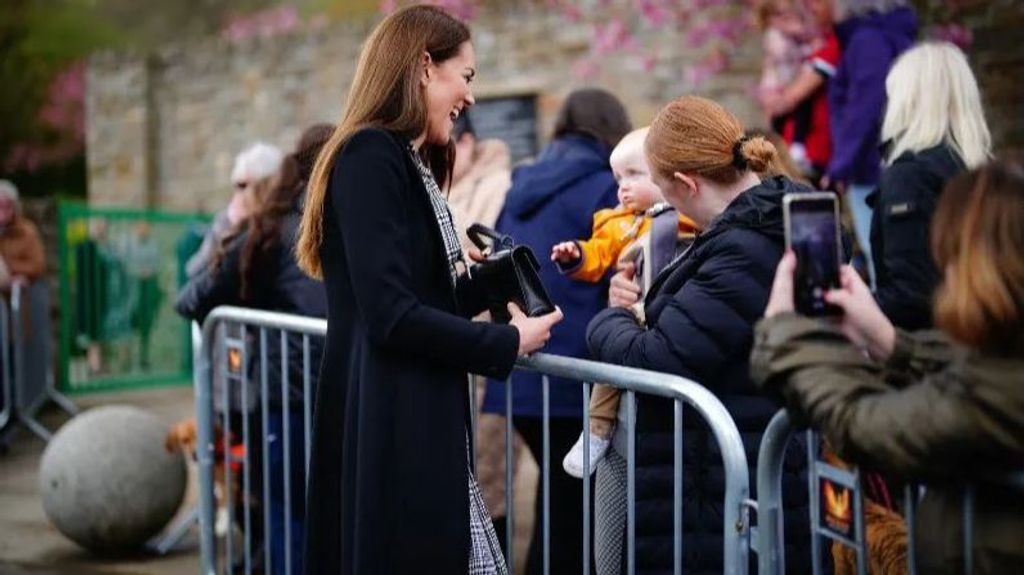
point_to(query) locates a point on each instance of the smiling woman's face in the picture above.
(448, 93)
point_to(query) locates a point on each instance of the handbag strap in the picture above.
(479, 234)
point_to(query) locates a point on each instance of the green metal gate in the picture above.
(119, 273)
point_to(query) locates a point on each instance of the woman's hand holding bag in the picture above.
(534, 332)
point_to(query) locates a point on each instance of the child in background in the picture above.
(788, 41)
(643, 231)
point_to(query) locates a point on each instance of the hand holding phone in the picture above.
(812, 233)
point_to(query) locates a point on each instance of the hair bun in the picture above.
(759, 153)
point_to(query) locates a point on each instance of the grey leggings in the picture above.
(609, 514)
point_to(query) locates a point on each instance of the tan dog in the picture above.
(183, 437)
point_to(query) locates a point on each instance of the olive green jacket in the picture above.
(934, 412)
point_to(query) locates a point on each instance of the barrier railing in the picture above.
(27, 374)
(248, 333)
(767, 538)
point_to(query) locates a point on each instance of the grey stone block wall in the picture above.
(163, 129)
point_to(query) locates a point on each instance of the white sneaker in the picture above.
(573, 462)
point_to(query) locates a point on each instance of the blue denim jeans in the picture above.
(296, 471)
(856, 198)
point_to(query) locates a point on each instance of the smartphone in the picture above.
(812, 232)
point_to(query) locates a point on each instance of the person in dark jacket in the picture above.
(945, 408)
(935, 127)
(700, 315)
(872, 34)
(390, 487)
(255, 267)
(550, 200)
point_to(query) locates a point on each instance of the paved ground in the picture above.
(29, 545)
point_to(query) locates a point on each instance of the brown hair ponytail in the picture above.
(694, 135)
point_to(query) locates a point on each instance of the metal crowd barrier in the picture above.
(242, 325)
(25, 351)
(767, 536)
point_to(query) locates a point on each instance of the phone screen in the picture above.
(814, 238)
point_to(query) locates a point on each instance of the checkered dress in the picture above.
(445, 220)
(485, 557)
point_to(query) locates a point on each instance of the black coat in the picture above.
(906, 274)
(701, 312)
(276, 284)
(388, 478)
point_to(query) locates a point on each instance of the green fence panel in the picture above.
(120, 270)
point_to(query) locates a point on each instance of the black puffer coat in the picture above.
(701, 313)
(904, 205)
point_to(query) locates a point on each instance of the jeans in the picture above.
(278, 518)
(856, 198)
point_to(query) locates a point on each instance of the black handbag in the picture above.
(508, 274)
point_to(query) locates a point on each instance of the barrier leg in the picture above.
(164, 544)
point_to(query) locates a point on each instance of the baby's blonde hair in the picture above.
(631, 143)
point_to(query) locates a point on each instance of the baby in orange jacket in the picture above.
(642, 230)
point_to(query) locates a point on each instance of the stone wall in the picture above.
(163, 129)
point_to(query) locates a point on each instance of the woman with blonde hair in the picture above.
(934, 129)
(946, 408)
(700, 315)
(390, 486)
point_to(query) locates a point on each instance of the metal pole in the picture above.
(265, 418)
(246, 444)
(307, 412)
(813, 485)
(771, 457)
(546, 470)
(205, 451)
(586, 478)
(285, 410)
(631, 484)
(510, 515)
(677, 489)
(229, 547)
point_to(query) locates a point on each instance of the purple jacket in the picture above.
(870, 44)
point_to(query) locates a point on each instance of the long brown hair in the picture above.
(978, 242)
(264, 225)
(385, 93)
(696, 136)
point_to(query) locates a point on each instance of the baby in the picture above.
(788, 40)
(642, 230)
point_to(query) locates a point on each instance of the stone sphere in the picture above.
(107, 482)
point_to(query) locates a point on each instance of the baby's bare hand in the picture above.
(565, 252)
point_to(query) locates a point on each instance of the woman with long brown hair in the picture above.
(255, 267)
(942, 407)
(390, 488)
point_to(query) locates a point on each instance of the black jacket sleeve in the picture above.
(906, 202)
(213, 286)
(372, 206)
(699, 330)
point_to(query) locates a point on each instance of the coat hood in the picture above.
(759, 208)
(565, 161)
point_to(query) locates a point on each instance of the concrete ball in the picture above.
(106, 481)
